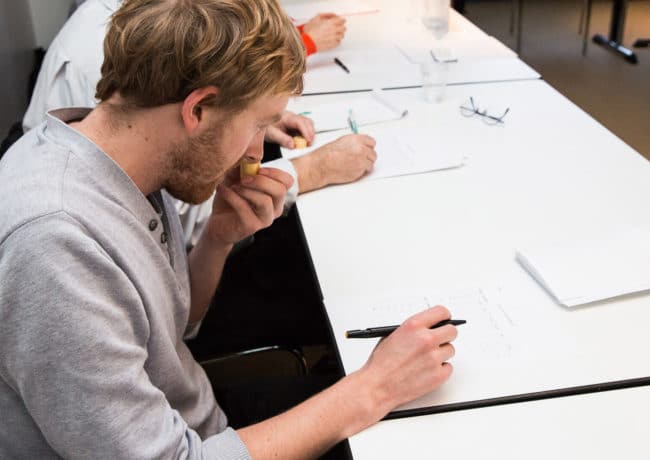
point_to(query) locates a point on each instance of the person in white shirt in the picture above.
(72, 68)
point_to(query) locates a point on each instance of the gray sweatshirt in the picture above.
(94, 304)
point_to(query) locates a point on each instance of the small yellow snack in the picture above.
(299, 142)
(248, 168)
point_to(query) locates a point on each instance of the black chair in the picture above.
(265, 362)
(16, 130)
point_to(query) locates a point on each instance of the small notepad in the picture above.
(368, 109)
(400, 151)
(587, 270)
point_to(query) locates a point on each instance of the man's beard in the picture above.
(189, 181)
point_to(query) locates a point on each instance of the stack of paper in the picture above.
(400, 151)
(587, 270)
(368, 109)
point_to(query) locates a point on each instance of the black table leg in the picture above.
(520, 17)
(613, 42)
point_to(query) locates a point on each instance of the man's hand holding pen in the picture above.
(411, 361)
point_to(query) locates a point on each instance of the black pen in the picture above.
(338, 62)
(383, 331)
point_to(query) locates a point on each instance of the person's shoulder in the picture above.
(38, 245)
(72, 65)
(81, 38)
(31, 180)
(38, 231)
(90, 19)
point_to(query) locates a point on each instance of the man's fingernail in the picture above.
(247, 179)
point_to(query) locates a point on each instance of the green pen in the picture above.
(352, 121)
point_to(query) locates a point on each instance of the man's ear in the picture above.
(194, 105)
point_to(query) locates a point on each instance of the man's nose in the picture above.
(255, 150)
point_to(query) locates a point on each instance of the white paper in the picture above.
(580, 271)
(457, 48)
(515, 341)
(303, 12)
(368, 109)
(400, 151)
(487, 335)
(372, 62)
(497, 334)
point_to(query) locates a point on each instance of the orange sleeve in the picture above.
(310, 46)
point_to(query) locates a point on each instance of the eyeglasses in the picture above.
(474, 110)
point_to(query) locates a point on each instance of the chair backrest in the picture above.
(14, 134)
(250, 365)
(16, 129)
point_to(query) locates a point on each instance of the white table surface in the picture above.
(550, 172)
(596, 426)
(481, 57)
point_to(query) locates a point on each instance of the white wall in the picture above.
(24, 25)
(47, 17)
(16, 60)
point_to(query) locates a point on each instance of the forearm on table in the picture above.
(317, 424)
(312, 172)
(206, 262)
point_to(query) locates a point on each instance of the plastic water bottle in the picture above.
(436, 16)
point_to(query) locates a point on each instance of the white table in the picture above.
(551, 171)
(375, 44)
(596, 426)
